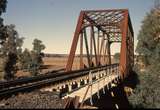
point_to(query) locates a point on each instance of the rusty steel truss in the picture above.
(95, 32)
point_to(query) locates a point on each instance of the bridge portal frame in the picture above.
(113, 25)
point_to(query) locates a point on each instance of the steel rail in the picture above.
(16, 82)
(52, 80)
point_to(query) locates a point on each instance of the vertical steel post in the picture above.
(98, 54)
(91, 42)
(123, 55)
(104, 53)
(75, 42)
(94, 44)
(102, 44)
(109, 52)
(81, 51)
(87, 49)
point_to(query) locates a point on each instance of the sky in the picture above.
(54, 21)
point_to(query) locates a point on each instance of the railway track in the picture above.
(21, 81)
(29, 84)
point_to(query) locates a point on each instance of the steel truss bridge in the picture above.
(95, 32)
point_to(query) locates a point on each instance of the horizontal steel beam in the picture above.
(64, 76)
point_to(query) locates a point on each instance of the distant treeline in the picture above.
(55, 55)
(64, 55)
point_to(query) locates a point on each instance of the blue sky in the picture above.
(54, 21)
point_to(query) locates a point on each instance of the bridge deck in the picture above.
(96, 86)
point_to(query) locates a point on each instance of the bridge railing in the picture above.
(89, 82)
(80, 79)
(64, 82)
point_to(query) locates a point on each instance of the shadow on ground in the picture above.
(108, 101)
(47, 66)
(132, 80)
(119, 99)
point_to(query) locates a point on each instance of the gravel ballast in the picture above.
(33, 100)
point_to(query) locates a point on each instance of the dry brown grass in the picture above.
(55, 63)
(22, 74)
(52, 63)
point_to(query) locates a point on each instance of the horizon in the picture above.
(54, 21)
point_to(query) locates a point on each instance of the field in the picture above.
(52, 63)
(55, 63)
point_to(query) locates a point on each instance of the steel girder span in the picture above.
(95, 32)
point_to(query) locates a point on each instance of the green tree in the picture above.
(38, 47)
(149, 38)
(36, 55)
(19, 53)
(31, 61)
(3, 5)
(25, 60)
(3, 59)
(10, 47)
(8, 37)
(147, 93)
(11, 55)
